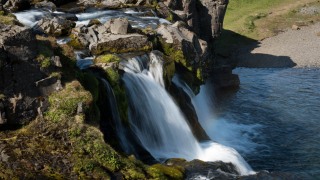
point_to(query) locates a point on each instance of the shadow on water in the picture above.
(235, 49)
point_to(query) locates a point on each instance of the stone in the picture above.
(49, 85)
(119, 26)
(18, 42)
(112, 4)
(46, 5)
(295, 27)
(18, 75)
(114, 43)
(56, 26)
(180, 38)
(56, 61)
(17, 5)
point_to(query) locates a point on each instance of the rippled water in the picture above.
(285, 105)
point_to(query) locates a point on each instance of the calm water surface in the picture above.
(284, 107)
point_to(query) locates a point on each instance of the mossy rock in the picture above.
(8, 19)
(107, 58)
(170, 172)
(75, 42)
(94, 22)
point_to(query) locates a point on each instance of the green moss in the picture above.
(75, 43)
(112, 76)
(7, 19)
(173, 52)
(170, 17)
(107, 58)
(64, 103)
(169, 172)
(118, 50)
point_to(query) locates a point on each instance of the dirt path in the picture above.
(293, 48)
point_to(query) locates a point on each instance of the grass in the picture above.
(248, 21)
(264, 18)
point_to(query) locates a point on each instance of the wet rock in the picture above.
(56, 26)
(46, 5)
(114, 43)
(17, 5)
(185, 104)
(197, 169)
(67, 16)
(120, 26)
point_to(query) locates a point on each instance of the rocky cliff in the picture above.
(62, 107)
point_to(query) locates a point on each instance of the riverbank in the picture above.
(271, 34)
(293, 48)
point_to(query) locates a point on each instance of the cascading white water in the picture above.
(159, 124)
(220, 130)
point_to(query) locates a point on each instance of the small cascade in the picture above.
(126, 146)
(158, 122)
(31, 17)
(83, 62)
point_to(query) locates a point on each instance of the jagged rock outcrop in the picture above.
(112, 37)
(19, 72)
(56, 26)
(204, 17)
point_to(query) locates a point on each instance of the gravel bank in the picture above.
(293, 48)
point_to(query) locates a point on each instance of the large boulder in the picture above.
(56, 26)
(112, 37)
(119, 26)
(114, 43)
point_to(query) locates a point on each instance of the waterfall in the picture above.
(158, 122)
(126, 146)
(219, 129)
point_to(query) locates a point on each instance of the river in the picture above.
(275, 119)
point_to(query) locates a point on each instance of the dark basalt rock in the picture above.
(19, 72)
(197, 169)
